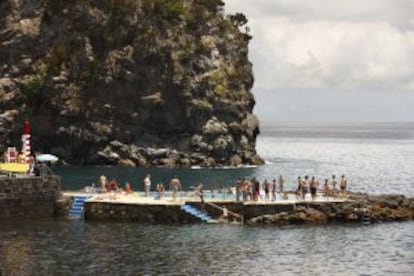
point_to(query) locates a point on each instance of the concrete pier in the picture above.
(137, 207)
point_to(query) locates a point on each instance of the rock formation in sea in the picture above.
(363, 208)
(131, 82)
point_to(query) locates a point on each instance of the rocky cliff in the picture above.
(132, 82)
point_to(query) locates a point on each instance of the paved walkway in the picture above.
(140, 198)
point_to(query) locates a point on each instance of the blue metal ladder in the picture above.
(197, 213)
(76, 209)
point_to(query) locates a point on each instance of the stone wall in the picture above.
(29, 197)
(173, 213)
(138, 213)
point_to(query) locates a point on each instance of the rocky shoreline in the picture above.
(361, 208)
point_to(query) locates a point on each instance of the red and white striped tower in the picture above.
(26, 150)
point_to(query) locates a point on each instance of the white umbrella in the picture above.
(47, 158)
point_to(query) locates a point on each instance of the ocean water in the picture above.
(376, 158)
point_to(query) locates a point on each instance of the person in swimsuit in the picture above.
(266, 188)
(326, 188)
(273, 189)
(299, 188)
(334, 182)
(200, 192)
(239, 184)
(225, 215)
(281, 182)
(128, 189)
(313, 187)
(160, 189)
(343, 186)
(103, 182)
(305, 185)
(175, 185)
(147, 184)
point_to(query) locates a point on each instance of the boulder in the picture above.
(152, 100)
(157, 153)
(235, 160)
(215, 127)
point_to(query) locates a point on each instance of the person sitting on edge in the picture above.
(160, 189)
(113, 185)
(343, 186)
(128, 189)
(175, 185)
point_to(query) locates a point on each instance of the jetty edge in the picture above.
(357, 208)
(39, 197)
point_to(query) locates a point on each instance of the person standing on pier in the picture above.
(313, 187)
(256, 189)
(103, 183)
(239, 184)
(266, 188)
(281, 182)
(299, 188)
(334, 182)
(274, 190)
(147, 184)
(326, 189)
(200, 192)
(305, 187)
(175, 185)
(343, 186)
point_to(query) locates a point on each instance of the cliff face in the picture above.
(133, 82)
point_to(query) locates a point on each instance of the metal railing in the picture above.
(228, 211)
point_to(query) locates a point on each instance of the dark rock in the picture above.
(153, 99)
(158, 153)
(235, 160)
(361, 208)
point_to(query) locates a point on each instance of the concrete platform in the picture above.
(140, 198)
(137, 207)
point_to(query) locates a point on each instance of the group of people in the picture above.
(244, 189)
(174, 185)
(106, 186)
(249, 189)
(311, 185)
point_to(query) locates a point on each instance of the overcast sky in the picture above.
(343, 60)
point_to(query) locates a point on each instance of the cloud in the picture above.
(333, 44)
